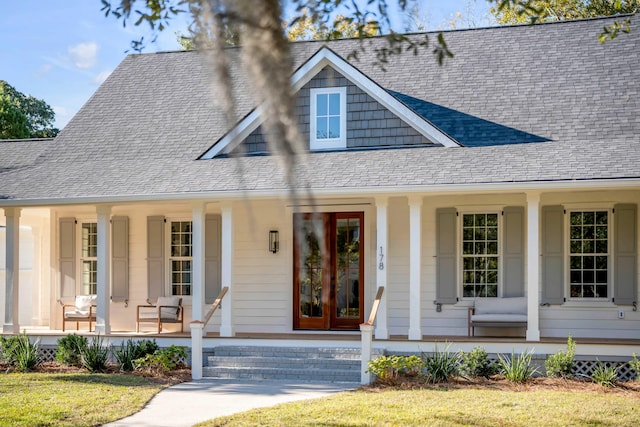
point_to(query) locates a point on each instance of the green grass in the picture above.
(43, 399)
(449, 407)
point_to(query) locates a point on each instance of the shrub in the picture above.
(388, 369)
(604, 375)
(475, 364)
(20, 352)
(162, 361)
(635, 366)
(385, 368)
(131, 350)
(95, 355)
(518, 368)
(70, 350)
(7, 348)
(561, 363)
(440, 365)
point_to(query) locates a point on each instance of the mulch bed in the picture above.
(173, 377)
(500, 383)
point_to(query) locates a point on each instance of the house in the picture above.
(513, 170)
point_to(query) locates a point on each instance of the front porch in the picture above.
(304, 346)
(411, 245)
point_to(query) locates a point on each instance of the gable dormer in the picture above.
(338, 108)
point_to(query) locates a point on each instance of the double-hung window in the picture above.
(480, 255)
(328, 121)
(180, 257)
(89, 257)
(589, 254)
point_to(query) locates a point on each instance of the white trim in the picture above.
(440, 189)
(316, 143)
(323, 57)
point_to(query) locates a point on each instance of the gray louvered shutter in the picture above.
(446, 253)
(624, 284)
(552, 255)
(67, 257)
(513, 255)
(120, 258)
(155, 257)
(211, 258)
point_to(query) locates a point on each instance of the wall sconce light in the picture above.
(274, 241)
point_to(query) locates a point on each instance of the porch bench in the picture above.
(497, 313)
(83, 310)
(166, 310)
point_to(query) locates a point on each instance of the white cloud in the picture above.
(83, 55)
(42, 71)
(101, 77)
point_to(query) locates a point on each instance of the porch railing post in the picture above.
(366, 331)
(197, 328)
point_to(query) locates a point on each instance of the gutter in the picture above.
(522, 186)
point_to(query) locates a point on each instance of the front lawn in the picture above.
(71, 399)
(550, 403)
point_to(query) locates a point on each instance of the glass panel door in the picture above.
(348, 266)
(328, 271)
(311, 272)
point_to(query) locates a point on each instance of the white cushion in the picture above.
(73, 314)
(84, 302)
(516, 305)
(499, 318)
(168, 313)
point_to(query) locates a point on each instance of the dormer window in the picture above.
(328, 118)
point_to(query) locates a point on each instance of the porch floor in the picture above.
(330, 336)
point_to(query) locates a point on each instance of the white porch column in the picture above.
(103, 324)
(533, 266)
(12, 273)
(415, 273)
(197, 261)
(382, 258)
(226, 273)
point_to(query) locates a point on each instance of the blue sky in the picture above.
(62, 50)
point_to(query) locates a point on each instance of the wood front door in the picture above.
(328, 272)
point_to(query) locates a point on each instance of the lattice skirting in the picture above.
(583, 365)
(48, 354)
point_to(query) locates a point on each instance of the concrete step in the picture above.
(292, 352)
(301, 375)
(305, 364)
(283, 362)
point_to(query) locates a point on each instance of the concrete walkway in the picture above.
(189, 403)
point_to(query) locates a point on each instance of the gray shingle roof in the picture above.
(140, 133)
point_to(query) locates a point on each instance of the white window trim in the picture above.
(567, 253)
(168, 286)
(79, 257)
(460, 266)
(328, 143)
